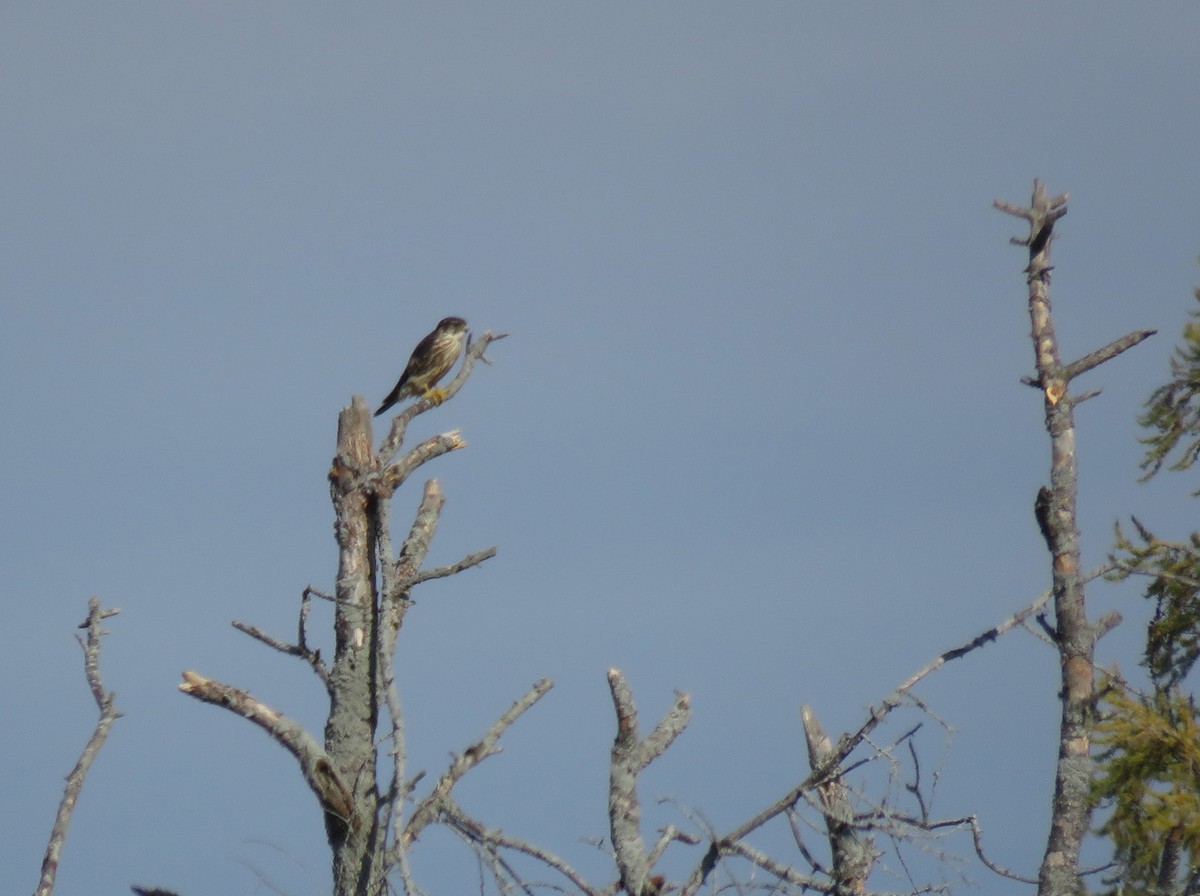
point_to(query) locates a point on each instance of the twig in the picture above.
(312, 657)
(793, 819)
(312, 591)
(106, 703)
(396, 581)
(977, 838)
(493, 838)
(779, 869)
(439, 572)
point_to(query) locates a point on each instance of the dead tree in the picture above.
(374, 812)
(1072, 634)
(362, 798)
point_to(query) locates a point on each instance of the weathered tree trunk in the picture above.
(354, 713)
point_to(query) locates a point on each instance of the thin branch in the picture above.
(504, 875)
(393, 606)
(398, 792)
(972, 822)
(793, 818)
(493, 838)
(915, 787)
(312, 657)
(263, 882)
(779, 869)
(669, 727)
(396, 582)
(1077, 400)
(416, 544)
(440, 572)
(666, 836)
(106, 703)
(394, 474)
(431, 807)
(1051, 636)
(1107, 353)
(395, 437)
(1127, 568)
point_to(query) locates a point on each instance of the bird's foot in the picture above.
(434, 396)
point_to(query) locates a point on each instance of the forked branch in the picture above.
(630, 756)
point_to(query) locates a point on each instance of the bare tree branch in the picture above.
(432, 806)
(106, 703)
(312, 591)
(781, 870)
(314, 764)
(666, 836)
(407, 566)
(972, 823)
(440, 572)
(396, 582)
(312, 657)
(493, 838)
(1106, 353)
(394, 474)
(395, 437)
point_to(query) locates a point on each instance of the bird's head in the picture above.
(452, 325)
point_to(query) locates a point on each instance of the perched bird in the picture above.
(431, 360)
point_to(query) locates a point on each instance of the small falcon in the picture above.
(431, 360)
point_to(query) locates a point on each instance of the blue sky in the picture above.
(757, 433)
